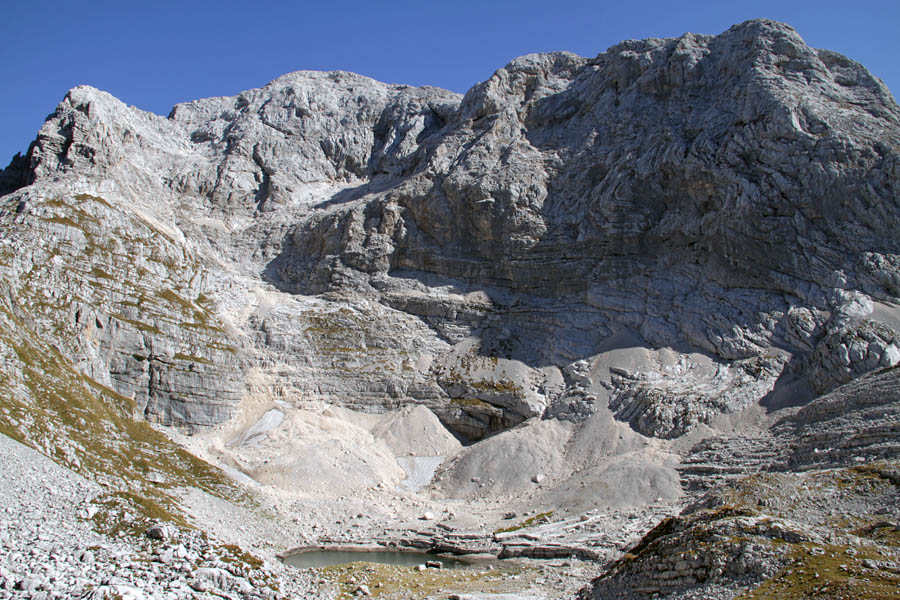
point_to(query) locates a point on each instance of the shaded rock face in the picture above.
(672, 228)
(855, 423)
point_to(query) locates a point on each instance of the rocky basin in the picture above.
(590, 311)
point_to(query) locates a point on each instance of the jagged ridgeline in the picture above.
(729, 202)
(672, 231)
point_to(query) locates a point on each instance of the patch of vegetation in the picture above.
(343, 350)
(389, 581)
(98, 272)
(325, 329)
(68, 222)
(538, 519)
(499, 387)
(191, 358)
(176, 300)
(880, 531)
(89, 198)
(91, 429)
(699, 523)
(236, 554)
(137, 324)
(76, 217)
(189, 309)
(829, 571)
(222, 347)
(879, 471)
(473, 403)
(131, 514)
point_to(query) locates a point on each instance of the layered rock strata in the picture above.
(596, 266)
(728, 199)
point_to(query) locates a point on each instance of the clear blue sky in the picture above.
(155, 54)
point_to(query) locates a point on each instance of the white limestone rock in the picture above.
(728, 196)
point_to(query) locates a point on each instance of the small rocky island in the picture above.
(615, 327)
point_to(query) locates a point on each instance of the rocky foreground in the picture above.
(631, 318)
(61, 538)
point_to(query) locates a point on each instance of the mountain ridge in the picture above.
(330, 182)
(605, 261)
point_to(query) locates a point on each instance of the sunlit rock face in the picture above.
(674, 230)
(605, 290)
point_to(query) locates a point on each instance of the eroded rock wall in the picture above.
(670, 228)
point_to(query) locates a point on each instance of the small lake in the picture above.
(326, 558)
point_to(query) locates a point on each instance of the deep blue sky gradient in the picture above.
(153, 55)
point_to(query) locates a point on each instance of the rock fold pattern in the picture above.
(673, 228)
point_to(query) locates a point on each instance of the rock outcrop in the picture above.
(731, 199)
(821, 534)
(856, 423)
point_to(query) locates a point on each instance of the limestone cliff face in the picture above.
(672, 228)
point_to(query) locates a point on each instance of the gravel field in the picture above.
(50, 549)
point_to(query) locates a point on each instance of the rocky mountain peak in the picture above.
(729, 195)
(588, 282)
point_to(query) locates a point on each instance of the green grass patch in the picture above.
(829, 572)
(140, 326)
(538, 519)
(389, 581)
(193, 359)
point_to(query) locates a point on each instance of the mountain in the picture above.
(589, 283)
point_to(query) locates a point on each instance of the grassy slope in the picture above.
(45, 402)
